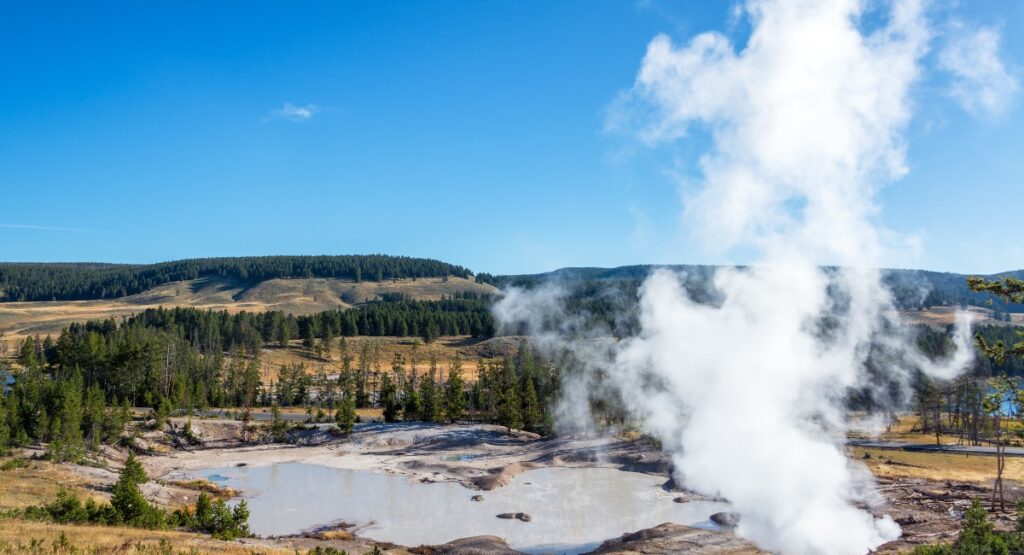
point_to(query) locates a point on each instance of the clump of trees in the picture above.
(979, 537)
(128, 507)
(60, 411)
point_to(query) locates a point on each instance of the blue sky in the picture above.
(471, 132)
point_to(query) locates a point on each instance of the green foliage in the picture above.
(128, 502)
(345, 417)
(389, 399)
(216, 518)
(531, 414)
(162, 411)
(979, 537)
(454, 394)
(128, 507)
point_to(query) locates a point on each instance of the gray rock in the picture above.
(677, 539)
(518, 516)
(727, 519)
(477, 498)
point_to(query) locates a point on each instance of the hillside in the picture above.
(294, 296)
(88, 281)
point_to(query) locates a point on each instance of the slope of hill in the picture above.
(89, 281)
(295, 296)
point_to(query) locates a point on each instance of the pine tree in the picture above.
(509, 413)
(454, 396)
(5, 429)
(531, 408)
(431, 401)
(127, 499)
(411, 397)
(345, 417)
(389, 399)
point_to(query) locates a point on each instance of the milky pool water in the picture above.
(573, 509)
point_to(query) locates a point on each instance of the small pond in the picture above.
(573, 509)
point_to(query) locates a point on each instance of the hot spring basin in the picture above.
(573, 509)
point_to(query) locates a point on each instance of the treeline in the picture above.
(46, 282)
(75, 393)
(180, 353)
(60, 410)
(516, 392)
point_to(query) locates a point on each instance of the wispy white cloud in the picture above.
(982, 83)
(41, 227)
(292, 112)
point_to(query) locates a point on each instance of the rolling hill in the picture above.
(293, 295)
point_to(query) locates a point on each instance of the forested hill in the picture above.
(62, 281)
(911, 288)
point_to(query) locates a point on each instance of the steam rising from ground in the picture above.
(747, 394)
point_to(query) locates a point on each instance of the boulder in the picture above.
(477, 498)
(728, 519)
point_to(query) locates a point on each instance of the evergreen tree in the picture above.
(509, 413)
(127, 499)
(454, 396)
(411, 397)
(389, 399)
(5, 428)
(531, 408)
(345, 417)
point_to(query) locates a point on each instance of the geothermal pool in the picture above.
(572, 509)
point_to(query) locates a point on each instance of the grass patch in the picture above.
(938, 466)
(22, 536)
(13, 464)
(208, 487)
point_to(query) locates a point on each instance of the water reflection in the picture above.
(573, 509)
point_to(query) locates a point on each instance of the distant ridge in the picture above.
(911, 288)
(31, 281)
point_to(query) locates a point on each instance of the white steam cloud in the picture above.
(747, 392)
(981, 82)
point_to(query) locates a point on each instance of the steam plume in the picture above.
(807, 123)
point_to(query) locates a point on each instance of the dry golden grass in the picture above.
(471, 351)
(36, 483)
(907, 429)
(16, 536)
(938, 466)
(214, 490)
(942, 316)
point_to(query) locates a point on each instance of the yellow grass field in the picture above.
(20, 536)
(938, 466)
(472, 352)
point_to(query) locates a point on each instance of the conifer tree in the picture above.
(531, 408)
(389, 399)
(345, 417)
(454, 397)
